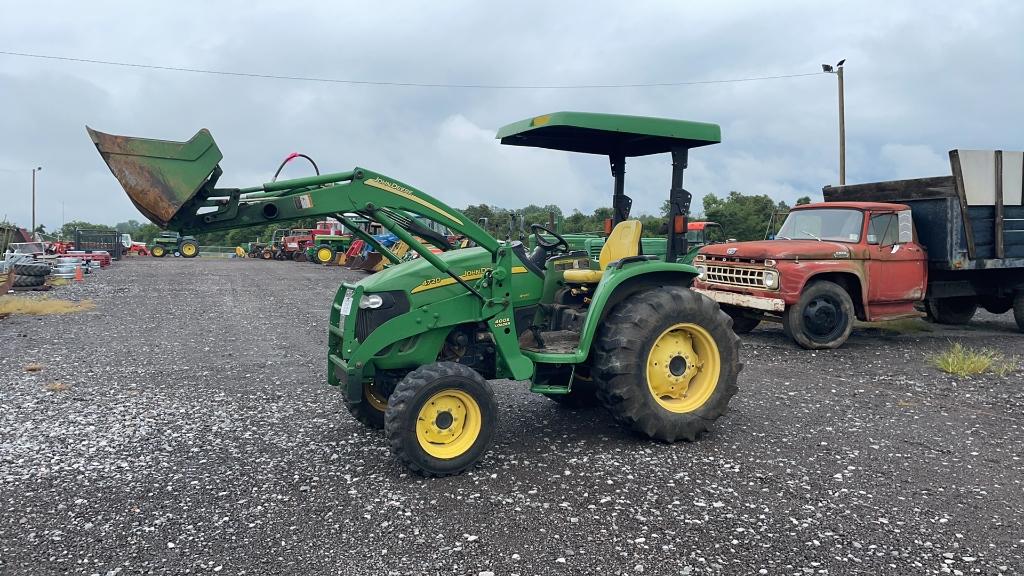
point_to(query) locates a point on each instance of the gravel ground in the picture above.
(183, 426)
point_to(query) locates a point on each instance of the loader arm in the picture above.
(175, 185)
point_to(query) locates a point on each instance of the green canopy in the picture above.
(608, 134)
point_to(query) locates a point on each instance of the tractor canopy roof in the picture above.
(608, 134)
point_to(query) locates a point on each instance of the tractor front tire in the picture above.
(370, 410)
(823, 317)
(267, 255)
(666, 362)
(158, 252)
(440, 419)
(188, 249)
(957, 310)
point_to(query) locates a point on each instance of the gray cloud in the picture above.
(922, 77)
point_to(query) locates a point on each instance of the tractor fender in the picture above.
(619, 283)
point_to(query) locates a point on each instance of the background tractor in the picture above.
(414, 348)
(173, 243)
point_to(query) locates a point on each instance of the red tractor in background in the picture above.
(294, 245)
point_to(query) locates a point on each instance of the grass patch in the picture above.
(41, 306)
(33, 367)
(57, 387)
(962, 361)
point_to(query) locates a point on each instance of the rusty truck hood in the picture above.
(782, 250)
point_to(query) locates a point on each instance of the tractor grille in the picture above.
(396, 303)
(735, 276)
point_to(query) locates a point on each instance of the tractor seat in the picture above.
(623, 242)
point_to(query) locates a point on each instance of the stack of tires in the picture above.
(30, 274)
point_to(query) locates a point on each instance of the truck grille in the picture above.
(735, 276)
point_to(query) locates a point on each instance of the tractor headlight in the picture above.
(771, 279)
(701, 271)
(371, 301)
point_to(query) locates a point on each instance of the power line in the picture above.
(401, 84)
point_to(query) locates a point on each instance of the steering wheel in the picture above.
(536, 229)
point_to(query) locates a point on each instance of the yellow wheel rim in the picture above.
(323, 255)
(158, 251)
(448, 424)
(374, 397)
(188, 250)
(683, 368)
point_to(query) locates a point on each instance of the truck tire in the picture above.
(996, 305)
(666, 362)
(370, 411)
(28, 281)
(188, 249)
(957, 310)
(32, 269)
(1018, 310)
(823, 317)
(741, 323)
(441, 418)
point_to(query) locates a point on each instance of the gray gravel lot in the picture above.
(196, 435)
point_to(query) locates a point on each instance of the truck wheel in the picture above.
(1018, 310)
(370, 411)
(822, 318)
(158, 252)
(957, 310)
(582, 393)
(324, 254)
(665, 363)
(189, 249)
(996, 305)
(741, 323)
(440, 419)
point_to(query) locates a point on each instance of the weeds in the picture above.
(41, 306)
(33, 367)
(57, 387)
(963, 361)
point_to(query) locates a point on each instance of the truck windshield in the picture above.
(833, 224)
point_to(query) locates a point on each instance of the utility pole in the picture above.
(838, 71)
(34, 170)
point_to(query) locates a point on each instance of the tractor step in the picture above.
(555, 342)
(543, 389)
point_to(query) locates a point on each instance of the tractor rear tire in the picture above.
(741, 323)
(823, 317)
(323, 254)
(441, 419)
(1018, 310)
(666, 362)
(957, 310)
(188, 249)
(370, 411)
(32, 269)
(28, 281)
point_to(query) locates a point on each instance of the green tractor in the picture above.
(173, 243)
(414, 349)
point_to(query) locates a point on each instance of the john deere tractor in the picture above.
(173, 243)
(414, 349)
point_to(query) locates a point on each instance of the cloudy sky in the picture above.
(922, 78)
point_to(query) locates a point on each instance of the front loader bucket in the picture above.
(374, 262)
(159, 176)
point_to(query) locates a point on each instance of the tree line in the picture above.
(744, 217)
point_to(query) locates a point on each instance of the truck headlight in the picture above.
(771, 279)
(371, 301)
(701, 271)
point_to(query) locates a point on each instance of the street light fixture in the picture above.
(838, 71)
(34, 170)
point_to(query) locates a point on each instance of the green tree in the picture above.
(743, 217)
(803, 200)
(68, 229)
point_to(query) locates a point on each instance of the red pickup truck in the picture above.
(881, 251)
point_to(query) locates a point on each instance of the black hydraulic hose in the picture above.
(291, 157)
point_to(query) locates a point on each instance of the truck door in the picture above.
(897, 265)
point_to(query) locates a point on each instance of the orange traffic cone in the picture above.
(78, 273)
